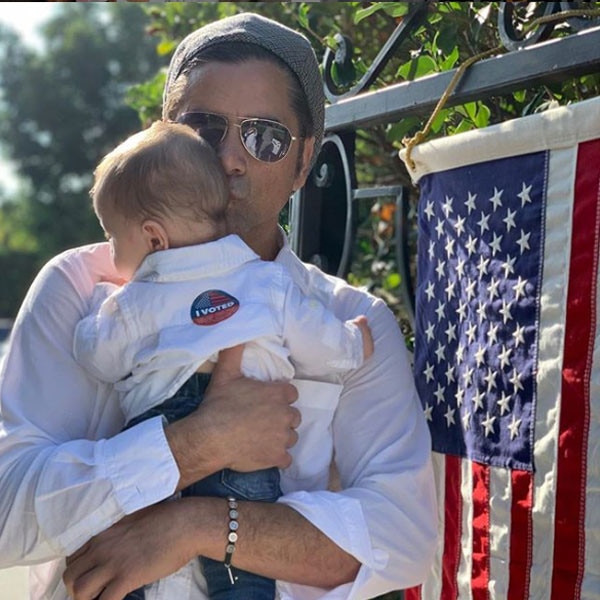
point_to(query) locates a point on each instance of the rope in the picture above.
(410, 143)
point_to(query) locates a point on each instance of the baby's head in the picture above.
(162, 188)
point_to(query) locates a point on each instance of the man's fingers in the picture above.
(229, 366)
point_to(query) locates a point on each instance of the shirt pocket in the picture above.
(312, 455)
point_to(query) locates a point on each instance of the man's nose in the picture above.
(232, 153)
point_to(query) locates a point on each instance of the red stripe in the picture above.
(480, 574)
(569, 534)
(413, 593)
(452, 528)
(521, 534)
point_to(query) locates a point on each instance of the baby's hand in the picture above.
(368, 344)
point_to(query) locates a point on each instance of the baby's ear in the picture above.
(155, 235)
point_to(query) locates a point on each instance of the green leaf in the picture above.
(166, 47)
(482, 118)
(418, 67)
(393, 280)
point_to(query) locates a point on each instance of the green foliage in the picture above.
(61, 109)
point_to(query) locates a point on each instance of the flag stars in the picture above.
(450, 289)
(519, 287)
(481, 311)
(505, 312)
(439, 311)
(495, 243)
(462, 310)
(508, 265)
(440, 268)
(428, 372)
(504, 404)
(471, 332)
(429, 291)
(514, 427)
(510, 219)
(460, 352)
(460, 267)
(450, 247)
(429, 210)
(478, 400)
(470, 202)
(483, 223)
(523, 241)
(447, 207)
(450, 332)
(492, 334)
(459, 225)
(516, 380)
(427, 412)
(493, 288)
(470, 245)
(488, 424)
(431, 250)
(466, 421)
(480, 355)
(439, 228)
(518, 335)
(470, 289)
(482, 266)
(468, 376)
(450, 374)
(496, 198)
(504, 357)
(439, 394)
(449, 416)
(524, 194)
(490, 379)
(429, 331)
(460, 396)
(440, 352)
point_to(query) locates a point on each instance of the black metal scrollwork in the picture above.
(342, 56)
(514, 19)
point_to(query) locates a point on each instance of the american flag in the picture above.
(507, 356)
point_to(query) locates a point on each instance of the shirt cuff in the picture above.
(140, 465)
(342, 520)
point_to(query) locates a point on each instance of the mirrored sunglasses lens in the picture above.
(265, 140)
(211, 127)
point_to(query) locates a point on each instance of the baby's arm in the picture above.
(319, 342)
(101, 344)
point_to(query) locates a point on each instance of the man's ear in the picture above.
(307, 155)
(155, 235)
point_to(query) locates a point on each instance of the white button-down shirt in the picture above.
(67, 474)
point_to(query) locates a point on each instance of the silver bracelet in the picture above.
(232, 536)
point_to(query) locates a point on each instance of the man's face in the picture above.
(257, 190)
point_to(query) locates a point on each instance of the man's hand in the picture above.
(139, 549)
(242, 424)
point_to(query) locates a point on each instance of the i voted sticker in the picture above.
(213, 306)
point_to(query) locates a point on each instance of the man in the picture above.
(69, 480)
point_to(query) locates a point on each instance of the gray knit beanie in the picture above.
(291, 47)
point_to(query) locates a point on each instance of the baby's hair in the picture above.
(164, 170)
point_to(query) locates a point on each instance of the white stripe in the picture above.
(465, 566)
(432, 588)
(552, 319)
(590, 589)
(500, 528)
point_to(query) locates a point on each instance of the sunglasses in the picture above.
(266, 140)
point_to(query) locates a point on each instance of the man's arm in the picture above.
(274, 540)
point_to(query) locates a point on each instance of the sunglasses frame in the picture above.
(239, 123)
